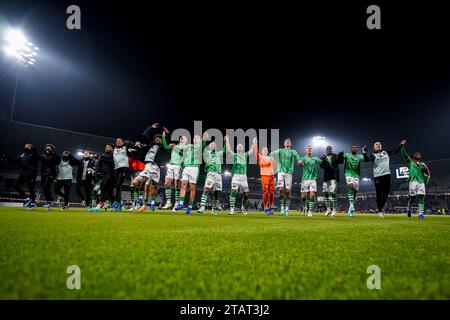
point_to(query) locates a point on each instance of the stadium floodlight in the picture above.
(80, 153)
(17, 46)
(227, 173)
(366, 179)
(319, 141)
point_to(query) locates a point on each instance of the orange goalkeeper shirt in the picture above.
(266, 164)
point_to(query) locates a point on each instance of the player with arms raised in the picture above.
(239, 180)
(419, 175)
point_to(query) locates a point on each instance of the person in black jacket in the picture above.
(27, 162)
(330, 166)
(85, 175)
(105, 170)
(49, 162)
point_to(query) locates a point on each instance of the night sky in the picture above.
(306, 70)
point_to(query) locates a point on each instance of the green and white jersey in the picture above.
(310, 167)
(352, 164)
(286, 159)
(418, 170)
(176, 156)
(240, 161)
(213, 161)
(192, 155)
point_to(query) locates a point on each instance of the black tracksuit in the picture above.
(84, 182)
(105, 170)
(49, 162)
(331, 171)
(27, 162)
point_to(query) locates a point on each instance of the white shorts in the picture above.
(416, 188)
(150, 172)
(284, 180)
(213, 181)
(309, 185)
(329, 186)
(354, 181)
(239, 182)
(190, 174)
(173, 171)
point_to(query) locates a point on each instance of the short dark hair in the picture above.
(110, 144)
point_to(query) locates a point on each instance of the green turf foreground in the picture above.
(167, 255)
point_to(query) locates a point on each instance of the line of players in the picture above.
(98, 177)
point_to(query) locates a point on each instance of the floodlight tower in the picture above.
(23, 51)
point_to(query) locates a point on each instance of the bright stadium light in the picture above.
(227, 173)
(79, 153)
(319, 141)
(16, 45)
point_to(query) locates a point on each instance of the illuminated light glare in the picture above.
(17, 46)
(319, 141)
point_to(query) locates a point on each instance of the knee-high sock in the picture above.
(181, 199)
(304, 203)
(333, 200)
(421, 202)
(265, 199)
(244, 200)
(312, 200)
(168, 194)
(281, 198)
(271, 199)
(411, 201)
(216, 200)
(326, 197)
(288, 201)
(177, 194)
(204, 199)
(232, 199)
(351, 196)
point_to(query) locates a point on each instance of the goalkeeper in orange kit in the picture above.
(266, 164)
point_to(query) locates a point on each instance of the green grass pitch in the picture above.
(167, 255)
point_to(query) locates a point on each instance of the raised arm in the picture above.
(150, 130)
(367, 157)
(164, 141)
(405, 153)
(397, 150)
